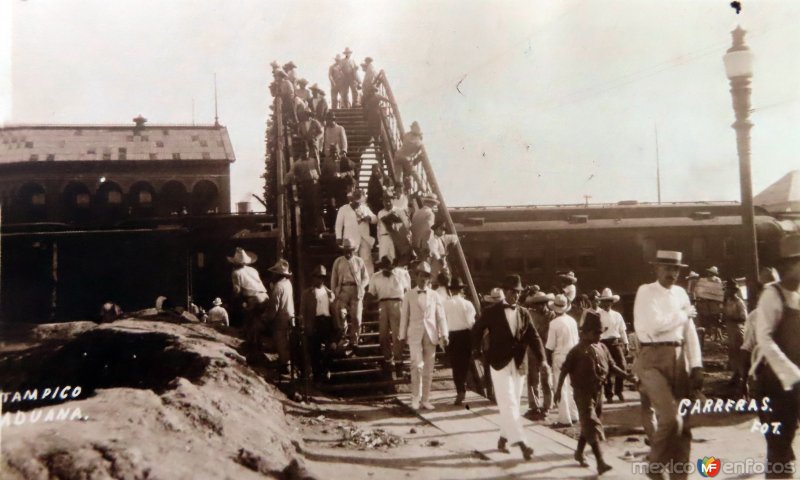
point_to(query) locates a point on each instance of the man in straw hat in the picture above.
(422, 225)
(561, 337)
(669, 364)
(593, 306)
(338, 83)
(423, 326)
(217, 315)
(349, 281)
(316, 307)
(391, 220)
(776, 360)
(460, 316)
(281, 309)
(409, 151)
(368, 84)
(588, 365)
(539, 373)
(318, 104)
(389, 286)
(567, 284)
(302, 93)
(438, 247)
(615, 338)
(247, 285)
(351, 75)
(352, 222)
(511, 334)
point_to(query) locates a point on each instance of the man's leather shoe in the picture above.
(527, 452)
(501, 444)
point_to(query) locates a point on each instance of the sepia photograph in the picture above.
(417, 239)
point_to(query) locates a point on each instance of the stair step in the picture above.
(353, 373)
(357, 359)
(374, 385)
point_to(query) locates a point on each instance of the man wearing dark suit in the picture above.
(511, 334)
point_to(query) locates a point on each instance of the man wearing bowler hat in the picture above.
(423, 325)
(669, 364)
(511, 334)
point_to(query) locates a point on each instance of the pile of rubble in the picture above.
(354, 437)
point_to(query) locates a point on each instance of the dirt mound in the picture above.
(157, 400)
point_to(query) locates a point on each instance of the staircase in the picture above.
(361, 148)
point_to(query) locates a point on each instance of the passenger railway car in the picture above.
(608, 245)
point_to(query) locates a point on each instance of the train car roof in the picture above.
(619, 223)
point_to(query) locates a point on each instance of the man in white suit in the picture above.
(422, 323)
(353, 221)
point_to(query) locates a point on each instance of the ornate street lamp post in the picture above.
(739, 69)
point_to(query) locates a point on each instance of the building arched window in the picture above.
(173, 198)
(75, 202)
(205, 198)
(31, 202)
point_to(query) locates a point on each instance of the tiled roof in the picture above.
(30, 143)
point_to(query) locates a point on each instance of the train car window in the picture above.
(513, 257)
(729, 247)
(648, 249)
(587, 260)
(699, 249)
(577, 259)
(534, 259)
(480, 257)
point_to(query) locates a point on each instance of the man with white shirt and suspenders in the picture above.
(669, 364)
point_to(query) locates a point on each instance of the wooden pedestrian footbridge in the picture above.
(364, 372)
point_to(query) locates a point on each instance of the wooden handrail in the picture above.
(451, 228)
(280, 188)
(429, 177)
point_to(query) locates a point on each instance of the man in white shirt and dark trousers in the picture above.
(776, 362)
(614, 336)
(423, 325)
(561, 337)
(389, 286)
(460, 315)
(352, 222)
(669, 364)
(316, 307)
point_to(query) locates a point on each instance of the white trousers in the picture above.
(386, 247)
(365, 252)
(423, 356)
(567, 409)
(507, 391)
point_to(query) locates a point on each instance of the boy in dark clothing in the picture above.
(588, 364)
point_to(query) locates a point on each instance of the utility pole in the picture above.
(216, 110)
(586, 199)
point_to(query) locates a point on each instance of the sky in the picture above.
(558, 99)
